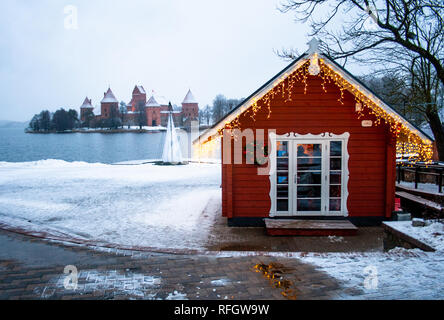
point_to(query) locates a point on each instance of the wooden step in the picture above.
(293, 227)
(419, 200)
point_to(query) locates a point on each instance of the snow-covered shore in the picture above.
(132, 205)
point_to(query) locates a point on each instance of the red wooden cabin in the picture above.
(331, 148)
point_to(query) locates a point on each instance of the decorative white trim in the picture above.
(312, 138)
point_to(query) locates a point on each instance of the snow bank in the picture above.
(432, 234)
(132, 205)
(399, 274)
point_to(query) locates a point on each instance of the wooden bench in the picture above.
(428, 204)
(290, 227)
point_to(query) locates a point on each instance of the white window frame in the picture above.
(323, 139)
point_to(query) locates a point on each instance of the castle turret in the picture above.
(85, 109)
(138, 96)
(190, 108)
(109, 105)
(153, 112)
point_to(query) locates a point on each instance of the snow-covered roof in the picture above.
(86, 104)
(141, 89)
(189, 98)
(152, 102)
(109, 97)
(292, 67)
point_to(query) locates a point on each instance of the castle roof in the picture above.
(109, 97)
(152, 102)
(140, 89)
(189, 98)
(86, 104)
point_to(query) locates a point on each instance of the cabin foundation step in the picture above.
(290, 227)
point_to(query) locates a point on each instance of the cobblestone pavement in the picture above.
(31, 268)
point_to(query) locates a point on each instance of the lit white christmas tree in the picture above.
(171, 149)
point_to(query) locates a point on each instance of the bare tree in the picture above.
(398, 37)
(416, 26)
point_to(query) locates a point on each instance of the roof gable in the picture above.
(109, 97)
(86, 104)
(189, 98)
(340, 77)
(139, 89)
(152, 102)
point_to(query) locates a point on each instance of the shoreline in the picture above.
(98, 131)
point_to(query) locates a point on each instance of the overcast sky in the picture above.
(167, 46)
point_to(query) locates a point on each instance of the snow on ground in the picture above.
(432, 234)
(131, 205)
(131, 285)
(148, 128)
(398, 274)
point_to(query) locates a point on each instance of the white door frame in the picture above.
(323, 139)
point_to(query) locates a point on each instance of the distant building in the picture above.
(156, 109)
(109, 106)
(85, 108)
(190, 109)
(139, 96)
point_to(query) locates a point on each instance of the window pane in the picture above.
(335, 177)
(335, 205)
(305, 164)
(282, 164)
(335, 164)
(309, 205)
(282, 148)
(282, 205)
(335, 191)
(309, 178)
(336, 148)
(282, 191)
(309, 150)
(309, 192)
(282, 177)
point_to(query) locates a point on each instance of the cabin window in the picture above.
(310, 175)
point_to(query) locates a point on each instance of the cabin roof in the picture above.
(284, 73)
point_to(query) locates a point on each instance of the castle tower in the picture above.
(190, 109)
(152, 112)
(138, 96)
(109, 106)
(85, 108)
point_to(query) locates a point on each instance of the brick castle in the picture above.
(155, 109)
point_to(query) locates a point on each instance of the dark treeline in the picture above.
(62, 120)
(221, 107)
(59, 121)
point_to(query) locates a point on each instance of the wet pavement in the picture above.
(224, 238)
(31, 268)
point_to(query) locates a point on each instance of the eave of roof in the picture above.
(297, 63)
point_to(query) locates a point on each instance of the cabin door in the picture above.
(310, 177)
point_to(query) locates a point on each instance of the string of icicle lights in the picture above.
(407, 141)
